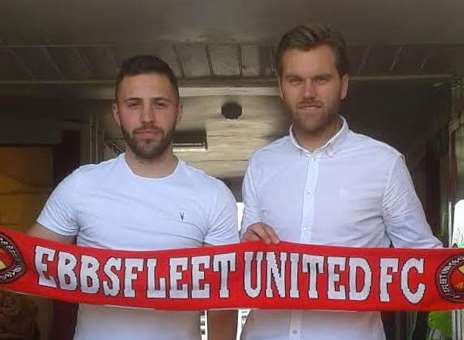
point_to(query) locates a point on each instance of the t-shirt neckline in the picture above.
(122, 159)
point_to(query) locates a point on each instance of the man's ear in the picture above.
(180, 112)
(116, 113)
(345, 85)
(279, 82)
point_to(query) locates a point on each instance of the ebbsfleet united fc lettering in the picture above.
(266, 275)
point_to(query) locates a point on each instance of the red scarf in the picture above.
(247, 275)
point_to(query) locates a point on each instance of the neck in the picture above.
(157, 167)
(313, 140)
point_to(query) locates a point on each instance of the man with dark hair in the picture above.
(324, 184)
(139, 68)
(145, 199)
(145, 64)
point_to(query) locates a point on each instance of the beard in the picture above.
(148, 149)
(316, 123)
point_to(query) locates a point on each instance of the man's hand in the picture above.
(260, 231)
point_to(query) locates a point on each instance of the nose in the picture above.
(309, 90)
(147, 114)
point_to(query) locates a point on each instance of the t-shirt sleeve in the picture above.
(402, 211)
(251, 211)
(223, 224)
(60, 211)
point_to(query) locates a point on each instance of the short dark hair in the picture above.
(307, 37)
(145, 64)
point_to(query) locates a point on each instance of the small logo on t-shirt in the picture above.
(181, 214)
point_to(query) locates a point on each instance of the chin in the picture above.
(310, 125)
(148, 155)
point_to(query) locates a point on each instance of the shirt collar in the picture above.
(332, 144)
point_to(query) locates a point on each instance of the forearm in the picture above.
(40, 231)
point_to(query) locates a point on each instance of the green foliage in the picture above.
(441, 321)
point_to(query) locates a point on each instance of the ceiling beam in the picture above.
(103, 89)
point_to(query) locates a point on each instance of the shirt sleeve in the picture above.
(223, 223)
(59, 213)
(403, 214)
(251, 211)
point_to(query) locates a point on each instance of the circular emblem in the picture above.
(11, 262)
(450, 279)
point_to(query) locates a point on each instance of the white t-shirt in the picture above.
(108, 206)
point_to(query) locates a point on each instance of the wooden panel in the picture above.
(411, 59)
(225, 60)
(380, 60)
(251, 61)
(194, 60)
(101, 60)
(39, 61)
(11, 67)
(71, 63)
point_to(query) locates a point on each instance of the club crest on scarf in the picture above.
(11, 262)
(450, 279)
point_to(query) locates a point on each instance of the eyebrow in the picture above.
(293, 76)
(324, 75)
(317, 76)
(152, 98)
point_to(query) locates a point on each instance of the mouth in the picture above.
(309, 106)
(147, 133)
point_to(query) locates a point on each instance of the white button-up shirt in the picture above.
(353, 191)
